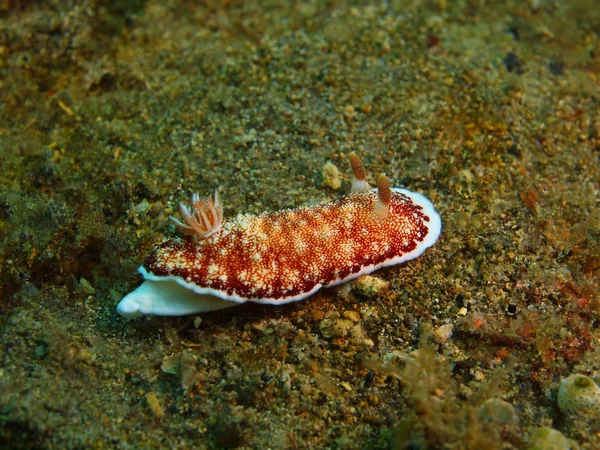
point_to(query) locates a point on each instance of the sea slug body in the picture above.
(283, 256)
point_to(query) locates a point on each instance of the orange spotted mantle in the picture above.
(282, 256)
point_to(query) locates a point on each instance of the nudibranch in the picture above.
(281, 257)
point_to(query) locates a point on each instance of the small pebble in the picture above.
(354, 316)
(154, 405)
(170, 366)
(142, 207)
(331, 176)
(331, 328)
(305, 388)
(369, 286)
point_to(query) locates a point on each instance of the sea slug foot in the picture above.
(168, 298)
